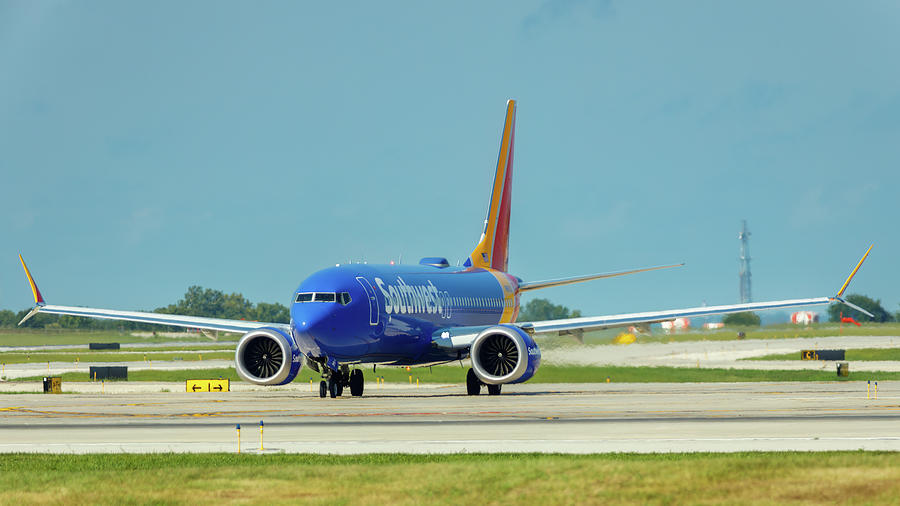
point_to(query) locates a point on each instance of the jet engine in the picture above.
(504, 354)
(267, 356)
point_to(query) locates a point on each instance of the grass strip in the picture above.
(861, 355)
(127, 356)
(827, 477)
(546, 374)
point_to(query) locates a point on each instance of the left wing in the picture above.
(194, 322)
(462, 337)
(571, 325)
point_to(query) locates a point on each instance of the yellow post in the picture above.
(260, 435)
(310, 384)
(410, 379)
(102, 387)
(607, 379)
(200, 355)
(239, 437)
(868, 386)
(417, 382)
(876, 390)
(95, 375)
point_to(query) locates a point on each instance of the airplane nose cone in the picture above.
(313, 319)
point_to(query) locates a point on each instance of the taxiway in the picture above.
(575, 418)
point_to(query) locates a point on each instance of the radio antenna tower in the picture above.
(745, 263)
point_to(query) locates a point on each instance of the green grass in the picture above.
(735, 478)
(546, 374)
(110, 356)
(151, 375)
(861, 354)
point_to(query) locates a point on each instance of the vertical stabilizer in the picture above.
(493, 249)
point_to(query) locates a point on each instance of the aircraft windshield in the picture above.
(342, 297)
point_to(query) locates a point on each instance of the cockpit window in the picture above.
(324, 297)
(341, 297)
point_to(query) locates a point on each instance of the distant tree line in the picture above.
(197, 301)
(543, 309)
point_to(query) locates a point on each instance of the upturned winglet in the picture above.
(38, 298)
(839, 296)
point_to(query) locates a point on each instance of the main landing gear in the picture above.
(473, 385)
(335, 381)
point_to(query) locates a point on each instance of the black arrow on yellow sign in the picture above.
(196, 387)
(217, 387)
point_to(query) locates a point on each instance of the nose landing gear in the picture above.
(335, 381)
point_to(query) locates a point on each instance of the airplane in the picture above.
(352, 315)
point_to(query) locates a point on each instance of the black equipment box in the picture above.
(103, 346)
(112, 372)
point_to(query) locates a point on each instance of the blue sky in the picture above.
(149, 146)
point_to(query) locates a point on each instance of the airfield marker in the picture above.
(876, 390)
(239, 437)
(200, 356)
(417, 382)
(868, 386)
(260, 435)
(310, 383)
(48, 368)
(102, 387)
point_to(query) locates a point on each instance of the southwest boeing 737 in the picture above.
(416, 315)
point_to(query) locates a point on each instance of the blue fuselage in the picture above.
(387, 314)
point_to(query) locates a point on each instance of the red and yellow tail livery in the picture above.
(492, 251)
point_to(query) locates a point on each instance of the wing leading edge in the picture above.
(462, 337)
(604, 322)
(194, 322)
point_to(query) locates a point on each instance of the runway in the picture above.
(574, 418)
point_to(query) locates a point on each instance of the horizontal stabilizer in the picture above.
(536, 285)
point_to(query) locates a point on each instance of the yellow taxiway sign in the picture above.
(216, 385)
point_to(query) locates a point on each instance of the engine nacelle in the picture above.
(504, 354)
(267, 356)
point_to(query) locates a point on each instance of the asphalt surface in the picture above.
(576, 418)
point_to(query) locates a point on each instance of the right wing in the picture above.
(194, 322)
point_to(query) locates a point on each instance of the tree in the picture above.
(8, 318)
(543, 309)
(272, 313)
(745, 319)
(870, 305)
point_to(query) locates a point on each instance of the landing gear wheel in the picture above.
(473, 384)
(357, 382)
(494, 389)
(323, 389)
(333, 387)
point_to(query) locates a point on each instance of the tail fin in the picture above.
(493, 249)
